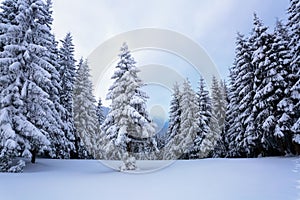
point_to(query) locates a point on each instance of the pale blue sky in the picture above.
(211, 23)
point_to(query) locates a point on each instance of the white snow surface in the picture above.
(220, 179)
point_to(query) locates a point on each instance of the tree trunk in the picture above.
(297, 148)
(33, 155)
(129, 149)
(74, 154)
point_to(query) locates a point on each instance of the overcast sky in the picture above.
(213, 24)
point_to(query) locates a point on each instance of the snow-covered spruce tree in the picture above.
(127, 125)
(85, 117)
(9, 10)
(231, 113)
(218, 111)
(101, 145)
(60, 144)
(101, 140)
(269, 87)
(294, 45)
(261, 41)
(180, 145)
(280, 76)
(8, 13)
(99, 112)
(161, 142)
(239, 111)
(67, 71)
(216, 104)
(174, 120)
(204, 141)
(221, 145)
(28, 114)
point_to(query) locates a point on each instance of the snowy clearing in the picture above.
(220, 179)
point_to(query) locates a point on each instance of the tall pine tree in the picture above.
(60, 144)
(85, 117)
(9, 11)
(221, 145)
(128, 125)
(204, 141)
(239, 113)
(279, 75)
(269, 85)
(181, 144)
(175, 112)
(261, 44)
(174, 120)
(28, 114)
(67, 71)
(100, 111)
(294, 45)
(218, 112)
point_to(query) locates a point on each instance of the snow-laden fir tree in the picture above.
(241, 93)
(217, 107)
(294, 45)
(101, 139)
(219, 102)
(221, 145)
(279, 74)
(174, 119)
(231, 114)
(67, 71)
(85, 117)
(260, 41)
(181, 143)
(204, 141)
(268, 86)
(128, 125)
(160, 138)
(218, 111)
(60, 144)
(100, 111)
(8, 13)
(9, 10)
(28, 114)
(263, 99)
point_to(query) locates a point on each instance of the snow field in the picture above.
(214, 179)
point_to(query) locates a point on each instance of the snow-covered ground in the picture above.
(207, 179)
